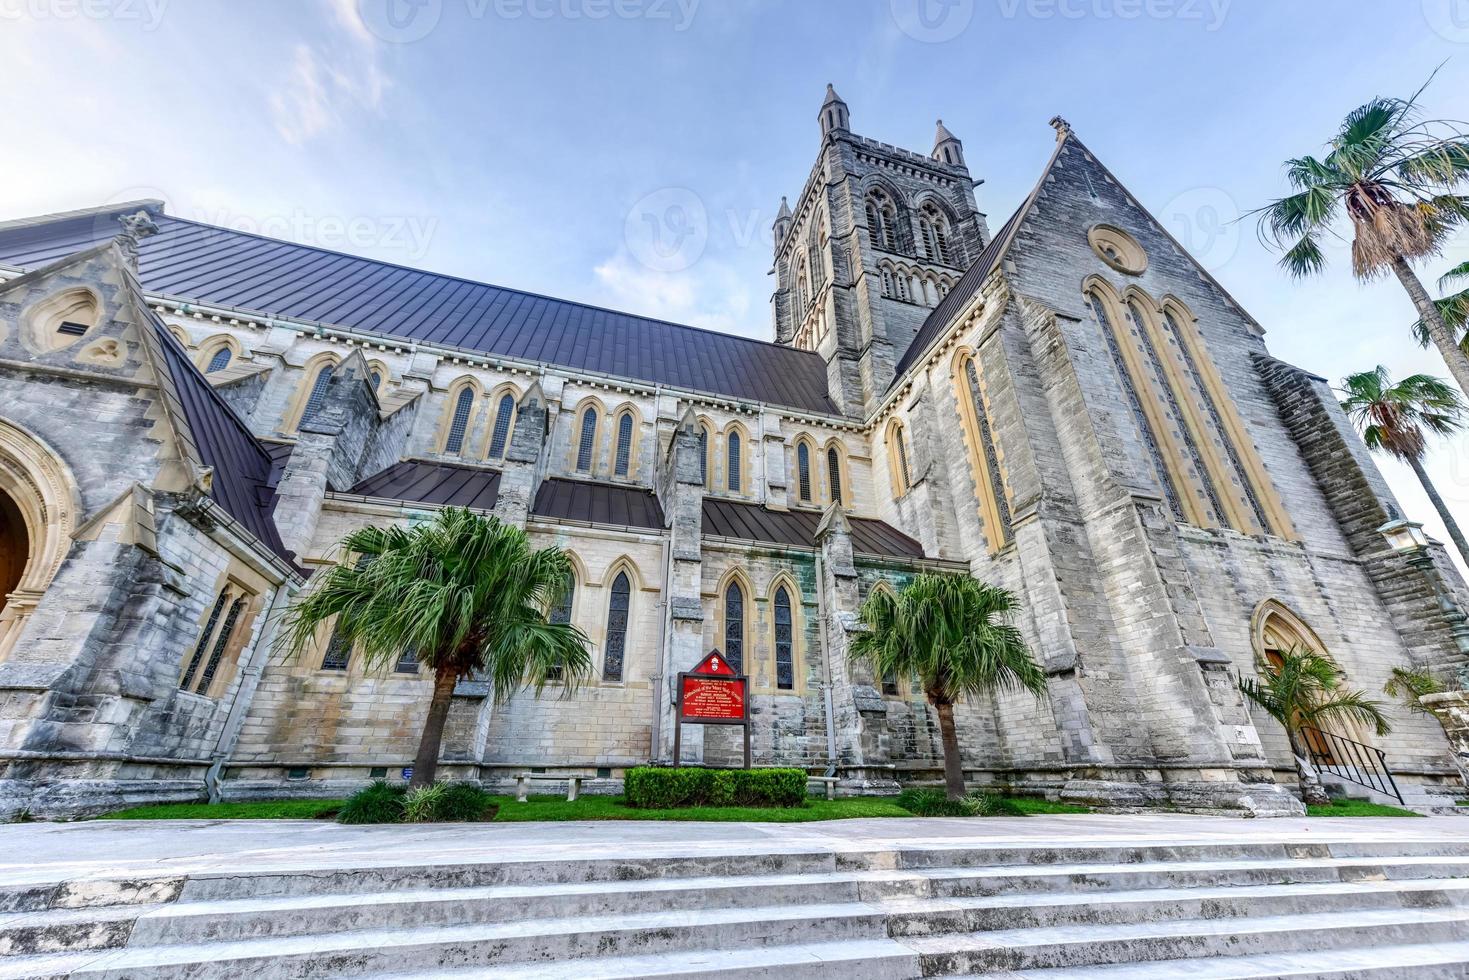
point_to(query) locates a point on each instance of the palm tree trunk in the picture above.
(426, 763)
(1312, 792)
(953, 763)
(1452, 526)
(1443, 337)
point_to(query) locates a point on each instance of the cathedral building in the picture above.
(1069, 406)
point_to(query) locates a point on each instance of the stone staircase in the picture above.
(1337, 907)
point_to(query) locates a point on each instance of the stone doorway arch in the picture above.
(1275, 629)
(38, 510)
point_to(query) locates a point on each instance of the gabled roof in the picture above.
(188, 260)
(423, 481)
(752, 522)
(598, 503)
(938, 321)
(244, 471)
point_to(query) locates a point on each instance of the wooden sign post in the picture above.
(711, 694)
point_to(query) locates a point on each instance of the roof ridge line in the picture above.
(455, 278)
(45, 219)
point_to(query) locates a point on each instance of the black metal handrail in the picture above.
(1355, 762)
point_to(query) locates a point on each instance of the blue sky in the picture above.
(526, 142)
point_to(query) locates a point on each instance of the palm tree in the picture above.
(1393, 418)
(467, 594)
(1395, 176)
(1453, 308)
(1304, 688)
(950, 632)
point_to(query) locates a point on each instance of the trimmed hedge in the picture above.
(382, 802)
(659, 788)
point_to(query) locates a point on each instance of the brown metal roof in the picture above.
(221, 266)
(598, 503)
(425, 482)
(752, 522)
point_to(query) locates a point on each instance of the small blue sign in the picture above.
(407, 772)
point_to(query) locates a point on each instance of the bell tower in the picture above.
(876, 238)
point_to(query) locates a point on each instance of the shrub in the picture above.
(421, 805)
(657, 788)
(934, 803)
(464, 803)
(376, 803)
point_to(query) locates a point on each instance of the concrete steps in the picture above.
(1042, 911)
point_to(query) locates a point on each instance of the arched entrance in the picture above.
(37, 515)
(1277, 630)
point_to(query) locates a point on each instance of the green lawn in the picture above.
(1358, 808)
(268, 810)
(556, 808)
(1030, 805)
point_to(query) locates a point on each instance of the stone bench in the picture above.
(830, 783)
(523, 781)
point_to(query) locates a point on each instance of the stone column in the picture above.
(858, 714)
(329, 449)
(681, 492)
(522, 472)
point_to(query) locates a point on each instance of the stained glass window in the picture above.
(734, 627)
(624, 444)
(504, 414)
(733, 462)
(834, 474)
(785, 669)
(203, 644)
(588, 438)
(617, 612)
(460, 423)
(221, 642)
(803, 470)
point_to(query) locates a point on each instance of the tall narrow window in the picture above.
(588, 441)
(1164, 476)
(990, 479)
(338, 652)
(803, 299)
(785, 668)
(504, 415)
(203, 644)
(318, 392)
(220, 360)
(617, 612)
(834, 473)
(734, 626)
(457, 426)
(704, 456)
(1211, 406)
(376, 380)
(624, 444)
(561, 613)
(221, 643)
(898, 458)
(732, 461)
(803, 471)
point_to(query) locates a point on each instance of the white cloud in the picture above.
(709, 294)
(346, 69)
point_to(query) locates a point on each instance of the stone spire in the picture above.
(946, 147)
(833, 113)
(782, 222)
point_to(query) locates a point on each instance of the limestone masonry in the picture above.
(1069, 406)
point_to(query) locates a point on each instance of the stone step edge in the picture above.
(930, 947)
(147, 889)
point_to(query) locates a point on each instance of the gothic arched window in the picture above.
(220, 360)
(785, 672)
(897, 443)
(994, 505)
(882, 221)
(732, 462)
(834, 473)
(504, 416)
(704, 455)
(618, 607)
(803, 471)
(587, 443)
(318, 392)
(734, 626)
(933, 229)
(463, 406)
(624, 444)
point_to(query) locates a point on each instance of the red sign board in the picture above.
(712, 699)
(714, 665)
